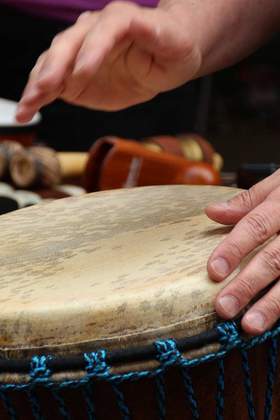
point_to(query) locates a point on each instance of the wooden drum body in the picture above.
(94, 291)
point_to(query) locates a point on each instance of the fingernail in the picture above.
(220, 266)
(229, 304)
(256, 320)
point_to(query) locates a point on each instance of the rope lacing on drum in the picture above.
(39, 373)
(168, 355)
(230, 339)
(167, 352)
(229, 335)
(97, 367)
(39, 369)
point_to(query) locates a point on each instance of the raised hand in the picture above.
(112, 59)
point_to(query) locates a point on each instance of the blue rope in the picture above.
(87, 392)
(123, 407)
(35, 404)
(8, 406)
(167, 352)
(220, 402)
(229, 335)
(190, 395)
(40, 373)
(167, 355)
(133, 376)
(61, 404)
(96, 367)
(161, 397)
(248, 385)
(271, 373)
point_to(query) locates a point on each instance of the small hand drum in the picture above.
(106, 312)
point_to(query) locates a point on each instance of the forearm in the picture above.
(226, 30)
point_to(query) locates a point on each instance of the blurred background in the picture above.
(244, 109)
(236, 110)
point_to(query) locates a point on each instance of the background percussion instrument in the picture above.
(7, 150)
(190, 145)
(11, 130)
(116, 163)
(39, 166)
(106, 312)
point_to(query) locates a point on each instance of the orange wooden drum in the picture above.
(106, 312)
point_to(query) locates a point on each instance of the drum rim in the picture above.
(145, 353)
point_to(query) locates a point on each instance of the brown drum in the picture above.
(106, 312)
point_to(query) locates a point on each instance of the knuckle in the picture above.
(112, 7)
(84, 16)
(45, 84)
(42, 57)
(246, 289)
(274, 195)
(258, 225)
(84, 72)
(272, 306)
(120, 7)
(277, 173)
(38, 63)
(68, 96)
(271, 259)
(245, 199)
(234, 250)
(57, 39)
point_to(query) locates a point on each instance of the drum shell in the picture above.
(29, 329)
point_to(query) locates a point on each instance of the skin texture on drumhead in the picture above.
(108, 269)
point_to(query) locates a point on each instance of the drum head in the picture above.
(108, 269)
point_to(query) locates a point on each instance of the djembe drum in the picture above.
(107, 312)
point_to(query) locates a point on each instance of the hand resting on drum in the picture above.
(127, 54)
(256, 216)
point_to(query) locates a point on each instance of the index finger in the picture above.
(46, 82)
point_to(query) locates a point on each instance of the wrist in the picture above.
(224, 32)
